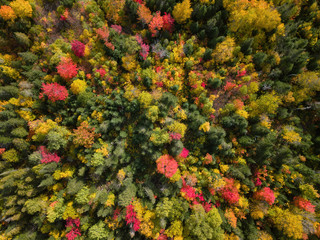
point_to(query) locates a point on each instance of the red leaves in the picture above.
(303, 204)
(229, 86)
(48, 157)
(102, 72)
(67, 69)
(131, 218)
(78, 48)
(265, 194)
(184, 153)
(53, 91)
(74, 232)
(167, 165)
(144, 47)
(159, 22)
(168, 22)
(229, 192)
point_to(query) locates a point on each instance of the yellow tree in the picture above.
(182, 11)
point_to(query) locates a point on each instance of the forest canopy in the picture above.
(160, 119)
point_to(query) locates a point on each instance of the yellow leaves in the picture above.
(205, 127)
(182, 11)
(70, 212)
(176, 177)
(243, 113)
(266, 104)
(10, 72)
(145, 216)
(224, 50)
(152, 113)
(97, 115)
(41, 128)
(224, 168)
(110, 200)
(65, 173)
(21, 8)
(290, 135)
(257, 15)
(121, 175)
(180, 112)
(178, 127)
(78, 86)
(103, 149)
(265, 121)
(26, 115)
(129, 62)
(207, 1)
(145, 99)
(175, 229)
(288, 222)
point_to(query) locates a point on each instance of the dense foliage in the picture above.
(154, 119)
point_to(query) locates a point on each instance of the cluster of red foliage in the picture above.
(102, 72)
(48, 157)
(131, 218)
(144, 47)
(175, 136)
(65, 15)
(53, 91)
(303, 204)
(74, 232)
(229, 86)
(67, 69)
(167, 165)
(189, 193)
(184, 153)
(265, 194)
(229, 192)
(117, 28)
(168, 22)
(78, 48)
(159, 22)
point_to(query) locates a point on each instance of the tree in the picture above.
(182, 11)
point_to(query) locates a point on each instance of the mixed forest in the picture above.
(160, 119)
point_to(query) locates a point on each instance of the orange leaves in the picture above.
(103, 33)
(84, 135)
(144, 14)
(7, 13)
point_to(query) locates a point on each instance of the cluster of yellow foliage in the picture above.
(288, 222)
(21, 8)
(267, 104)
(224, 50)
(78, 86)
(205, 127)
(247, 16)
(290, 135)
(178, 127)
(41, 128)
(182, 11)
(145, 217)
